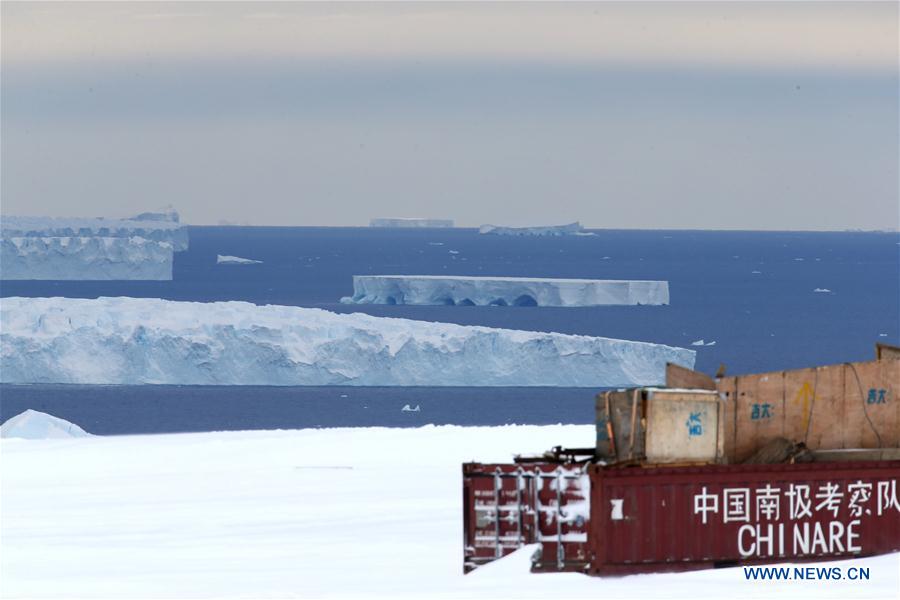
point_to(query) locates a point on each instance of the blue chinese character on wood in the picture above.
(760, 411)
(876, 396)
(694, 425)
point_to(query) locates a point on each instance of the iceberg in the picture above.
(141, 248)
(410, 222)
(224, 259)
(85, 258)
(503, 291)
(166, 213)
(157, 231)
(35, 425)
(547, 230)
(149, 340)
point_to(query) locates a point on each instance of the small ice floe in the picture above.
(35, 425)
(435, 243)
(882, 335)
(606, 258)
(698, 343)
(343, 395)
(756, 272)
(822, 291)
(453, 251)
(408, 408)
(712, 343)
(224, 259)
(798, 259)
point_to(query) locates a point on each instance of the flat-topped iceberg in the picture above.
(410, 222)
(224, 259)
(156, 230)
(148, 340)
(85, 258)
(36, 425)
(544, 230)
(503, 291)
(141, 248)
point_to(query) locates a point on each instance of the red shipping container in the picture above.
(680, 518)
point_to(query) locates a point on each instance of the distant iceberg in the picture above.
(90, 249)
(406, 222)
(224, 259)
(148, 340)
(546, 230)
(35, 425)
(503, 291)
(166, 213)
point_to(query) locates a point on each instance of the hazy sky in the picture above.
(760, 115)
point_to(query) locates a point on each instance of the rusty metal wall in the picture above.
(679, 518)
(506, 506)
(605, 521)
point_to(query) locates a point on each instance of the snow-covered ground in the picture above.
(504, 291)
(148, 340)
(312, 513)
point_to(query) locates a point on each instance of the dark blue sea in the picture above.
(752, 293)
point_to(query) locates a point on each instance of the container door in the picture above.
(508, 506)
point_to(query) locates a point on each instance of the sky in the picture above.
(711, 115)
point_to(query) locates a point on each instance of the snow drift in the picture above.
(503, 291)
(35, 425)
(147, 340)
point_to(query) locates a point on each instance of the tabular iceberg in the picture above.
(548, 230)
(410, 222)
(141, 248)
(503, 291)
(158, 231)
(148, 340)
(80, 258)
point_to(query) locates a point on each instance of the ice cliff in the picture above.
(77, 258)
(141, 248)
(146, 340)
(547, 230)
(35, 425)
(503, 291)
(410, 222)
(158, 231)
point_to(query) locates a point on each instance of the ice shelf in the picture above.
(148, 340)
(503, 291)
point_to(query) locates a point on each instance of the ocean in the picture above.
(751, 297)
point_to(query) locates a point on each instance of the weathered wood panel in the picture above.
(852, 405)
